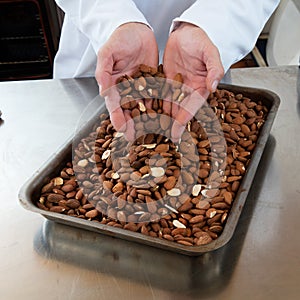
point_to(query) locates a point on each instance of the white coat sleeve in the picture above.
(232, 25)
(97, 19)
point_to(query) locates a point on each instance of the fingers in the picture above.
(120, 119)
(167, 107)
(112, 101)
(104, 70)
(215, 70)
(129, 133)
(103, 74)
(167, 102)
(184, 112)
(214, 76)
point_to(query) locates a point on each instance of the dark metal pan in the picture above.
(30, 191)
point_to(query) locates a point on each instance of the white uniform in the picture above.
(232, 25)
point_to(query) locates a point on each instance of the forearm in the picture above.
(232, 25)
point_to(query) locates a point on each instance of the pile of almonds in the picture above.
(178, 192)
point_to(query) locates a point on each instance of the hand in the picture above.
(189, 51)
(130, 44)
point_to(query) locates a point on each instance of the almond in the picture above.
(177, 81)
(165, 122)
(170, 183)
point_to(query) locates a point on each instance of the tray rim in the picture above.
(30, 185)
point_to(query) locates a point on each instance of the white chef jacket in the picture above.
(232, 25)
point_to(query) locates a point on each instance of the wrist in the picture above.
(184, 25)
(135, 25)
(185, 28)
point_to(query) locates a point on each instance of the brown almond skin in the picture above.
(187, 177)
(203, 239)
(135, 113)
(67, 188)
(196, 219)
(185, 243)
(233, 178)
(121, 216)
(126, 91)
(235, 185)
(131, 226)
(88, 206)
(107, 185)
(176, 94)
(203, 144)
(165, 122)
(220, 205)
(203, 173)
(47, 188)
(57, 209)
(162, 148)
(73, 203)
(170, 183)
(181, 231)
(92, 214)
(118, 187)
(177, 81)
(144, 68)
(168, 237)
(185, 207)
(185, 147)
(55, 197)
(227, 197)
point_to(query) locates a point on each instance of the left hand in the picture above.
(190, 51)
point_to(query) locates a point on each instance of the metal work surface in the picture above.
(42, 259)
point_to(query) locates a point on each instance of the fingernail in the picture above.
(99, 85)
(214, 85)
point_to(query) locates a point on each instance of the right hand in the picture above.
(129, 46)
(190, 51)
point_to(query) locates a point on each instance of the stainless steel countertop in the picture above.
(44, 260)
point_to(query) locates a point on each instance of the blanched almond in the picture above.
(157, 171)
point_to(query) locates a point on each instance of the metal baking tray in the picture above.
(30, 191)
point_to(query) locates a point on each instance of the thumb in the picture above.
(213, 79)
(215, 70)
(104, 70)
